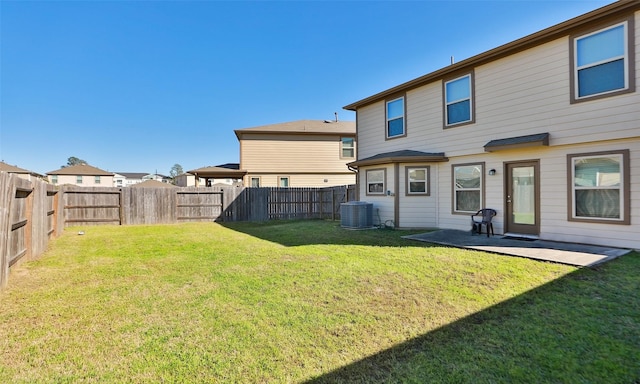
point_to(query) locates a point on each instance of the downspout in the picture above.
(355, 170)
(396, 196)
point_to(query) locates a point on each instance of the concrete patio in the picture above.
(565, 253)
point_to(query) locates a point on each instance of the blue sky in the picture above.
(137, 86)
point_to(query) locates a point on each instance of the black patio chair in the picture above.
(483, 217)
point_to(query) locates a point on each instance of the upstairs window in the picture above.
(78, 179)
(395, 118)
(283, 182)
(458, 103)
(54, 179)
(97, 180)
(348, 149)
(255, 182)
(601, 62)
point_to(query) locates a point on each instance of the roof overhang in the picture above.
(406, 156)
(539, 139)
(218, 173)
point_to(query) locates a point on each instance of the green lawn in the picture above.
(292, 302)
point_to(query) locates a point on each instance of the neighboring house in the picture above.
(20, 172)
(127, 179)
(157, 177)
(82, 175)
(305, 153)
(119, 179)
(153, 184)
(545, 129)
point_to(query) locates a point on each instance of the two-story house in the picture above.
(304, 153)
(81, 175)
(20, 172)
(545, 129)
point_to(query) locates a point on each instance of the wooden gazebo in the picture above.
(225, 171)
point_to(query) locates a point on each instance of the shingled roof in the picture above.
(219, 172)
(403, 156)
(304, 127)
(82, 169)
(8, 168)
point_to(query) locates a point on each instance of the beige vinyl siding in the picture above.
(435, 210)
(371, 126)
(383, 205)
(554, 204)
(419, 211)
(87, 180)
(553, 194)
(522, 94)
(302, 180)
(292, 153)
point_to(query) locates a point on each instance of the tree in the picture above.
(175, 171)
(74, 161)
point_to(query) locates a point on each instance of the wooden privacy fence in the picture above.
(124, 206)
(32, 212)
(262, 204)
(28, 219)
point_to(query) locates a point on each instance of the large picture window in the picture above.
(599, 186)
(376, 181)
(395, 118)
(467, 187)
(458, 101)
(417, 181)
(601, 63)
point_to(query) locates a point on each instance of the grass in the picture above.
(291, 302)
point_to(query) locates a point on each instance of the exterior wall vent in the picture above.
(356, 215)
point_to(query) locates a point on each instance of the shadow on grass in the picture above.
(307, 232)
(582, 328)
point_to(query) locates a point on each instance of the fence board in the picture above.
(199, 204)
(6, 197)
(28, 220)
(91, 205)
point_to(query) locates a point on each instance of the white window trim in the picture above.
(280, 178)
(446, 104)
(625, 57)
(403, 117)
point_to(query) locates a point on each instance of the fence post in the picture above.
(6, 195)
